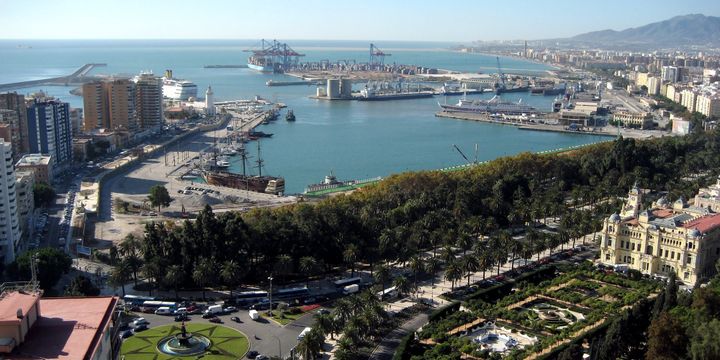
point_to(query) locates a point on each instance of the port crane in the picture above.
(500, 74)
(377, 56)
(276, 53)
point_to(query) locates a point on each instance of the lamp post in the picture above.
(271, 303)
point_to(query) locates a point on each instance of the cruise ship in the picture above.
(177, 89)
(492, 106)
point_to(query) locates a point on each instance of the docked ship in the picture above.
(331, 182)
(372, 95)
(492, 106)
(177, 89)
(273, 57)
(256, 183)
(549, 91)
(290, 116)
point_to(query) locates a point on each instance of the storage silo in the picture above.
(333, 88)
(346, 88)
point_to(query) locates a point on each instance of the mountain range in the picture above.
(680, 31)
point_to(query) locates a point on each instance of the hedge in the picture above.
(404, 346)
(444, 310)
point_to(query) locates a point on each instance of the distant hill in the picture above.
(681, 31)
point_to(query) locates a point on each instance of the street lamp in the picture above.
(271, 303)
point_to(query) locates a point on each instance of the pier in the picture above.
(78, 77)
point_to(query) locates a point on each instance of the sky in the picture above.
(411, 20)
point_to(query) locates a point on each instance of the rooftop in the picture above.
(34, 159)
(14, 301)
(68, 328)
(704, 224)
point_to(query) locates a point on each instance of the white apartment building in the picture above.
(9, 224)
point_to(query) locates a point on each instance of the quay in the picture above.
(78, 77)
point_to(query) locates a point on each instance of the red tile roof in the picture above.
(68, 328)
(662, 213)
(704, 224)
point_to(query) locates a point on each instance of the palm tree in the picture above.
(432, 266)
(174, 277)
(308, 265)
(283, 264)
(416, 265)
(343, 310)
(402, 285)
(204, 273)
(382, 272)
(311, 344)
(230, 273)
(485, 261)
(470, 264)
(453, 273)
(350, 256)
(346, 349)
(129, 248)
(120, 275)
(326, 323)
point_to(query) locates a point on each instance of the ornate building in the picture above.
(665, 238)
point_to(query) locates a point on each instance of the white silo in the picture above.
(346, 88)
(333, 88)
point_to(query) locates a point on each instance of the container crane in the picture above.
(500, 74)
(377, 56)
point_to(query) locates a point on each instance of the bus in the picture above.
(388, 293)
(291, 293)
(154, 304)
(136, 299)
(340, 284)
(250, 297)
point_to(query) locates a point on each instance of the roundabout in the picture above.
(176, 341)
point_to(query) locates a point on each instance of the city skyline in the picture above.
(463, 21)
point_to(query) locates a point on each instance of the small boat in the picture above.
(290, 116)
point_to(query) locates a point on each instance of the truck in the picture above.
(214, 309)
(303, 333)
(254, 314)
(351, 289)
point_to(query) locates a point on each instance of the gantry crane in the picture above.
(377, 56)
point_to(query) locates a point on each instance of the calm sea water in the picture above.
(353, 139)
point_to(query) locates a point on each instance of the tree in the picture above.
(705, 345)
(470, 264)
(159, 197)
(174, 277)
(350, 255)
(81, 286)
(51, 264)
(130, 250)
(326, 323)
(43, 194)
(204, 273)
(402, 285)
(120, 275)
(453, 273)
(382, 272)
(283, 265)
(311, 344)
(309, 266)
(231, 273)
(432, 266)
(666, 338)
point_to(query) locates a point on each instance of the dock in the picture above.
(78, 77)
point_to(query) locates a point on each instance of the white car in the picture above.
(139, 321)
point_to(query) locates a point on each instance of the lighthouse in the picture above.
(209, 102)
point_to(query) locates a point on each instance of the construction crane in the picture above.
(377, 56)
(465, 157)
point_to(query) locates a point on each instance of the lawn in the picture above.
(227, 343)
(285, 319)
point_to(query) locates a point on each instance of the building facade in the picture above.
(121, 105)
(708, 105)
(148, 100)
(95, 106)
(41, 165)
(50, 130)
(688, 99)
(10, 233)
(669, 237)
(16, 103)
(709, 197)
(641, 120)
(24, 183)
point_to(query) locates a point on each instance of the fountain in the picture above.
(184, 343)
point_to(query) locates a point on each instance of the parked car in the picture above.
(140, 328)
(126, 334)
(181, 317)
(215, 319)
(139, 321)
(230, 309)
(252, 354)
(236, 319)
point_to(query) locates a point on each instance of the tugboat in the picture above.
(290, 116)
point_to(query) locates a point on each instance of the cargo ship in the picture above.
(372, 95)
(273, 57)
(492, 106)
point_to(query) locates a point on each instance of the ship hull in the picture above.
(395, 97)
(244, 182)
(488, 110)
(260, 68)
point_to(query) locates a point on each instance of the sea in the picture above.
(354, 140)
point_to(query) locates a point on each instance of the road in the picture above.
(265, 336)
(389, 343)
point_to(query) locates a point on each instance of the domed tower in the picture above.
(209, 101)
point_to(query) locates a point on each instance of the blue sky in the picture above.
(418, 20)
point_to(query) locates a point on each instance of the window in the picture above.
(672, 254)
(649, 250)
(607, 257)
(666, 253)
(622, 243)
